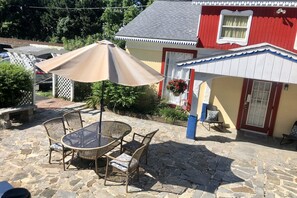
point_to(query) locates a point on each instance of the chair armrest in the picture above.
(69, 129)
(53, 139)
(125, 141)
(114, 158)
(137, 134)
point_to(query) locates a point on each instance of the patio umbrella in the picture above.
(101, 61)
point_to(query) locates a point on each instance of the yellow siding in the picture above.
(286, 115)
(225, 94)
(150, 57)
(200, 99)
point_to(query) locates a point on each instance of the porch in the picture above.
(254, 87)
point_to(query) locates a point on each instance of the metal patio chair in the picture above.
(55, 130)
(135, 144)
(126, 164)
(116, 129)
(112, 129)
(213, 118)
(96, 153)
(292, 137)
(73, 120)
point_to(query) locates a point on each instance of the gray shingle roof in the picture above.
(164, 20)
(265, 3)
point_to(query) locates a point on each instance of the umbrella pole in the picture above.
(101, 106)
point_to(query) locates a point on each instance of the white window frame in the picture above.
(238, 41)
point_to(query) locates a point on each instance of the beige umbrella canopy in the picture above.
(101, 61)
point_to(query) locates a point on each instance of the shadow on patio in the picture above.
(245, 136)
(173, 167)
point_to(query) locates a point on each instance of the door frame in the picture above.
(192, 72)
(273, 105)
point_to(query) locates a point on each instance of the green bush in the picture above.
(15, 82)
(94, 100)
(147, 102)
(82, 91)
(172, 114)
(121, 97)
(115, 96)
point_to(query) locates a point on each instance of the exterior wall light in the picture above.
(281, 11)
(286, 87)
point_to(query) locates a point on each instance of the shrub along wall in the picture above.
(15, 83)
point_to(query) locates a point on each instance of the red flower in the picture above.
(177, 86)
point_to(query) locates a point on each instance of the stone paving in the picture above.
(216, 164)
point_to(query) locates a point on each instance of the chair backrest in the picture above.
(212, 113)
(73, 120)
(115, 129)
(95, 153)
(136, 157)
(212, 107)
(147, 139)
(55, 129)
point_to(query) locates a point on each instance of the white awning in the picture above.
(262, 62)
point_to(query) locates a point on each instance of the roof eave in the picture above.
(155, 40)
(247, 52)
(246, 3)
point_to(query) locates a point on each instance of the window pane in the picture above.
(234, 26)
(235, 21)
(233, 32)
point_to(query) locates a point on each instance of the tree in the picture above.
(18, 20)
(53, 20)
(73, 19)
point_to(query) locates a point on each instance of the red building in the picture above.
(274, 25)
(260, 39)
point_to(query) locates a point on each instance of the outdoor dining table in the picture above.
(89, 137)
(91, 145)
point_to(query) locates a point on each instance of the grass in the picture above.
(47, 94)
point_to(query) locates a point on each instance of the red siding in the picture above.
(267, 26)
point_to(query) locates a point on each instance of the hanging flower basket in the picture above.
(177, 86)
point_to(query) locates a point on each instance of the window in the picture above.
(234, 27)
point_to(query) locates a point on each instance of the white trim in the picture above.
(166, 41)
(268, 66)
(156, 46)
(242, 42)
(199, 19)
(246, 3)
(248, 50)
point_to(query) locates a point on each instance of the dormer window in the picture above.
(234, 27)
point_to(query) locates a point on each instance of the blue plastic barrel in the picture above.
(191, 128)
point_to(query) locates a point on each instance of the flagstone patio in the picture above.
(216, 164)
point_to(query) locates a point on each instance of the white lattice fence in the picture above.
(63, 87)
(27, 61)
